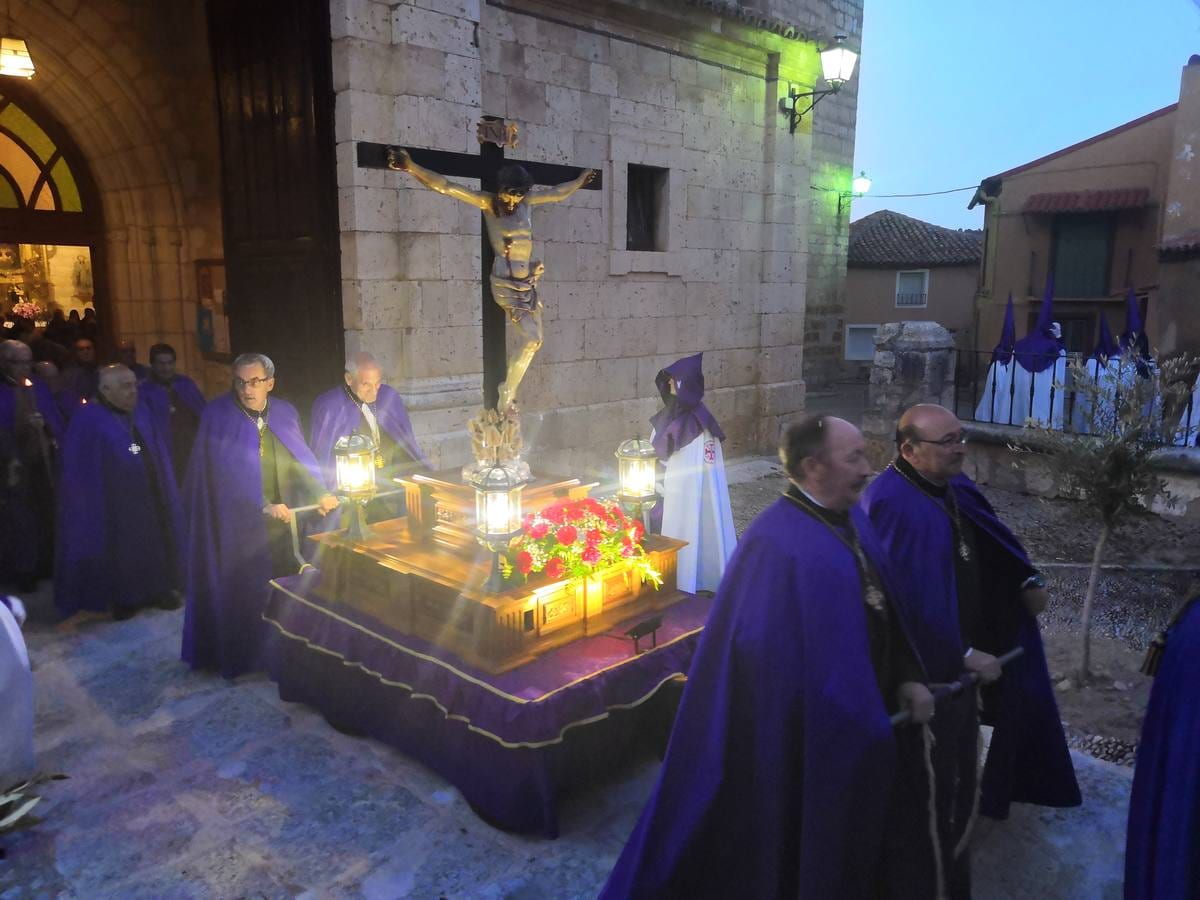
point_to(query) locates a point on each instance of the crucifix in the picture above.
(509, 276)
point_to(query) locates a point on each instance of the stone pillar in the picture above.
(914, 363)
(1174, 321)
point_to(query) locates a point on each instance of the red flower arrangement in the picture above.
(572, 538)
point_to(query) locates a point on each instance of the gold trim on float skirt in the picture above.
(532, 745)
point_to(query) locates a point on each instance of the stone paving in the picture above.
(186, 785)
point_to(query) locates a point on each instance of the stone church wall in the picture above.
(662, 84)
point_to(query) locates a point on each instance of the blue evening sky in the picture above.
(951, 91)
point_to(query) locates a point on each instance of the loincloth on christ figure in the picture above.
(517, 296)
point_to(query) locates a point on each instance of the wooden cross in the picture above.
(483, 166)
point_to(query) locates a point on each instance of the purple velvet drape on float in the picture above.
(26, 526)
(118, 534)
(1028, 760)
(778, 774)
(508, 742)
(228, 559)
(1162, 853)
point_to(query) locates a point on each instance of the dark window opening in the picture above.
(646, 217)
(527, 620)
(1082, 255)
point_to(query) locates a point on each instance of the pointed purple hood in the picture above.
(1039, 349)
(685, 415)
(1003, 351)
(1106, 347)
(1133, 339)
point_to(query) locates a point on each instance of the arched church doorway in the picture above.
(52, 267)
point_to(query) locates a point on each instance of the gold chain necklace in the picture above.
(260, 422)
(964, 551)
(873, 594)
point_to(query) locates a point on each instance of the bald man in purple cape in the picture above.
(367, 406)
(30, 427)
(777, 779)
(249, 466)
(178, 403)
(120, 521)
(969, 594)
(1162, 852)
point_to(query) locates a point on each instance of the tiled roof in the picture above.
(887, 238)
(1087, 201)
(1180, 246)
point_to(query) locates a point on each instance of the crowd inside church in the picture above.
(846, 606)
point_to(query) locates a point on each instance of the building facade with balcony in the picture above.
(1118, 211)
(901, 269)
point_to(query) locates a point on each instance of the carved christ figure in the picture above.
(515, 274)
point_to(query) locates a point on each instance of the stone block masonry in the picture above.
(742, 245)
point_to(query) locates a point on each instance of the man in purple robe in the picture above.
(969, 593)
(777, 779)
(127, 352)
(1162, 851)
(366, 406)
(30, 428)
(80, 379)
(249, 466)
(177, 402)
(120, 522)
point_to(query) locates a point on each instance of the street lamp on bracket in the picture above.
(837, 65)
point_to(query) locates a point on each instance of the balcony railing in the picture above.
(912, 299)
(1011, 395)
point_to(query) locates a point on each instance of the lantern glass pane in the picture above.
(14, 58)
(497, 514)
(837, 64)
(861, 184)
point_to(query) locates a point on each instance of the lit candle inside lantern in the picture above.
(354, 464)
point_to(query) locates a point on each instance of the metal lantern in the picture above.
(636, 472)
(860, 185)
(837, 62)
(636, 465)
(354, 465)
(14, 58)
(497, 514)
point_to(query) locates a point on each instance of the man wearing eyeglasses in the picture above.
(249, 467)
(969, 594)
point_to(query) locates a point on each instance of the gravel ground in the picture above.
(1103, 718)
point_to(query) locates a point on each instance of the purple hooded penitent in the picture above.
(119, 515)
(1106, 348)
(684, 416)
(1039, 349)
(777, 777)
(228, 555)
(1133, 340)
(1003, 351)
(1028, 760)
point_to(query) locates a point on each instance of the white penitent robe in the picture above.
(1187, 434)
(696, 509)
(16, 703)
(995, 403)
(1047, 393)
